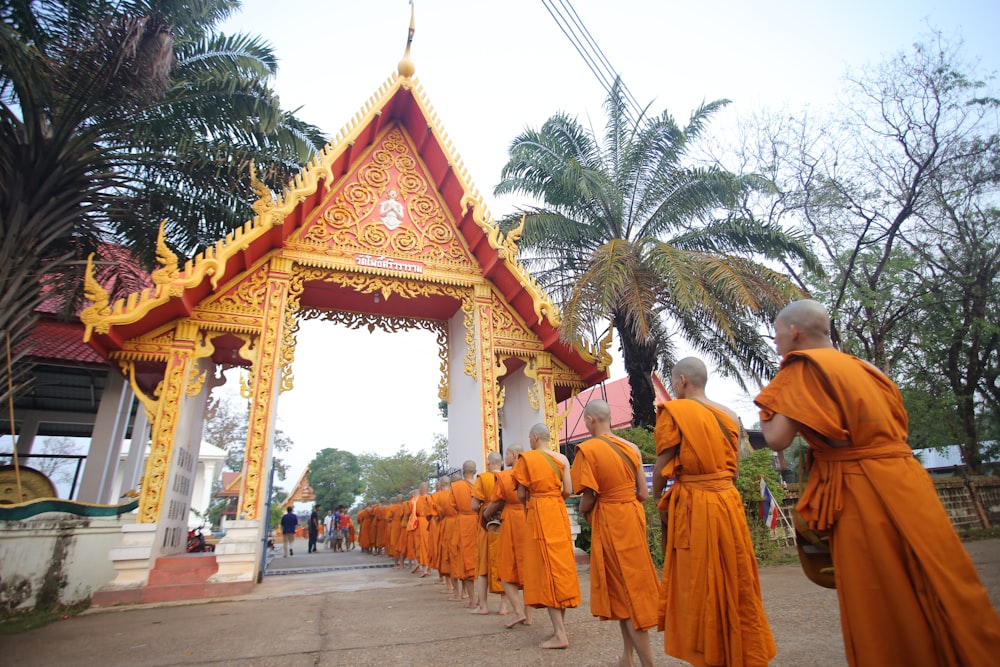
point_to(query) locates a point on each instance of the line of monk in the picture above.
(908, 591)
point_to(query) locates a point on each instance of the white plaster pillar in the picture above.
(106, 441)
(132, 470)
(464, 413)
(26, 433)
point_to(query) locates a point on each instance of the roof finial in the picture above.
(406, 67)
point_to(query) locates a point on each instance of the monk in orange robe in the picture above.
(607, 473)
(463, 541)
(380, 530)
(422, 537)
(392, 511)
(711, 608)
(433, 532)
(908, 591)
(513, 532)
(403, 518)
(352, 534)
(363, 528)
(448, 516)
(487, 542)
(543, 484)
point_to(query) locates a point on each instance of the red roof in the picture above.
(62, 341)
(618, 394)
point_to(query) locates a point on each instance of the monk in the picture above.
(487, 542)
(908, 591)
(352, 534)
(711, 612)
(543, 484)
(381, 528)
(391, 515)
(433, 533)
(448, 516)
(513, 531)
(364, 534)
(607, 473)
(402, 519)
(463, 541)
(425, 511)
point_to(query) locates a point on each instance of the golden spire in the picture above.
(406, 67)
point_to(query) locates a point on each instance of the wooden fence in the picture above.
(972, 503)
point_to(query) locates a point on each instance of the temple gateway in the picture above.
(383, 229)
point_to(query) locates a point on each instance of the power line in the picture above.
(586, 46)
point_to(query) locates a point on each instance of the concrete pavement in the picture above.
(351, 609)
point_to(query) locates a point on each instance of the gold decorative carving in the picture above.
(531, 372)
(93, 317)
(265, 198)
(246, 385)
(248, 295)
(149, 404)
(487, 363)
(169, 393)
(352, 221)
(262, 388)
(169, 270)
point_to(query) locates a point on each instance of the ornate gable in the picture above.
(387, 208)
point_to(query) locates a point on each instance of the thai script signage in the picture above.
(382, 262)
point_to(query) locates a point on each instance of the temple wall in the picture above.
(55, 558)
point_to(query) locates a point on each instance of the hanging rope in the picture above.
(13, 434)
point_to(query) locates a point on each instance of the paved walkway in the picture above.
(350, 609)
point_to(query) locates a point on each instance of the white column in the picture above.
(26, 435)
(132, 470)
(106, 441)
(465, 423)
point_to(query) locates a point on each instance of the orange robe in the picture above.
(487, 543)
(463, 539)
(392, 528)
(711, 610)
(433, 533)
(364, 529)
(352, 533)
(623, 581)
(449, 520)
(403, 517)
(908, 591)
(550, 564)
(510, 559)
(380, 533)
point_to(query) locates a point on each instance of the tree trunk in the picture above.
(640, 360)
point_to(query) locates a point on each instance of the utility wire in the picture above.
(600, 53)
(586, 46)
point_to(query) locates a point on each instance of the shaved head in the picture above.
(540, 430)
(494, 460)
(599, 410)
(693, 369)
(809, 316)
(444, 482)
(469, 468)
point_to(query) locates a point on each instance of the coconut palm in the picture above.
(628, 232)
(117, 115)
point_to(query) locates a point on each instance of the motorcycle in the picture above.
(196, 541)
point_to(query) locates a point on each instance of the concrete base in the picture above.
(179, 577)
(239, 553)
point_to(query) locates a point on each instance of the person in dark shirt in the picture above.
(313, 528)
(289, 523)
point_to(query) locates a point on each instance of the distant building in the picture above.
(944, 461)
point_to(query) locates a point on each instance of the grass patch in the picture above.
(36, 618)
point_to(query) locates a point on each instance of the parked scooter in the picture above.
(196, 541)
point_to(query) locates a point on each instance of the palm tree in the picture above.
(628, 232)
(115, 115)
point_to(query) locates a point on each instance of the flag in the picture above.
(768, 506)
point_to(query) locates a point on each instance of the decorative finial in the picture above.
(406, 67)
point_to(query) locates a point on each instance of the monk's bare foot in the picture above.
(622, 662)
(479, 612)
(414, 570)
(425, 574)
(470, 605)
(554, 642)
(454, 599)
(519, 619)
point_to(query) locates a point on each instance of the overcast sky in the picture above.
(490, 69)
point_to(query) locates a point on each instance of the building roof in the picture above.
(480, 248)
(618, 394)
